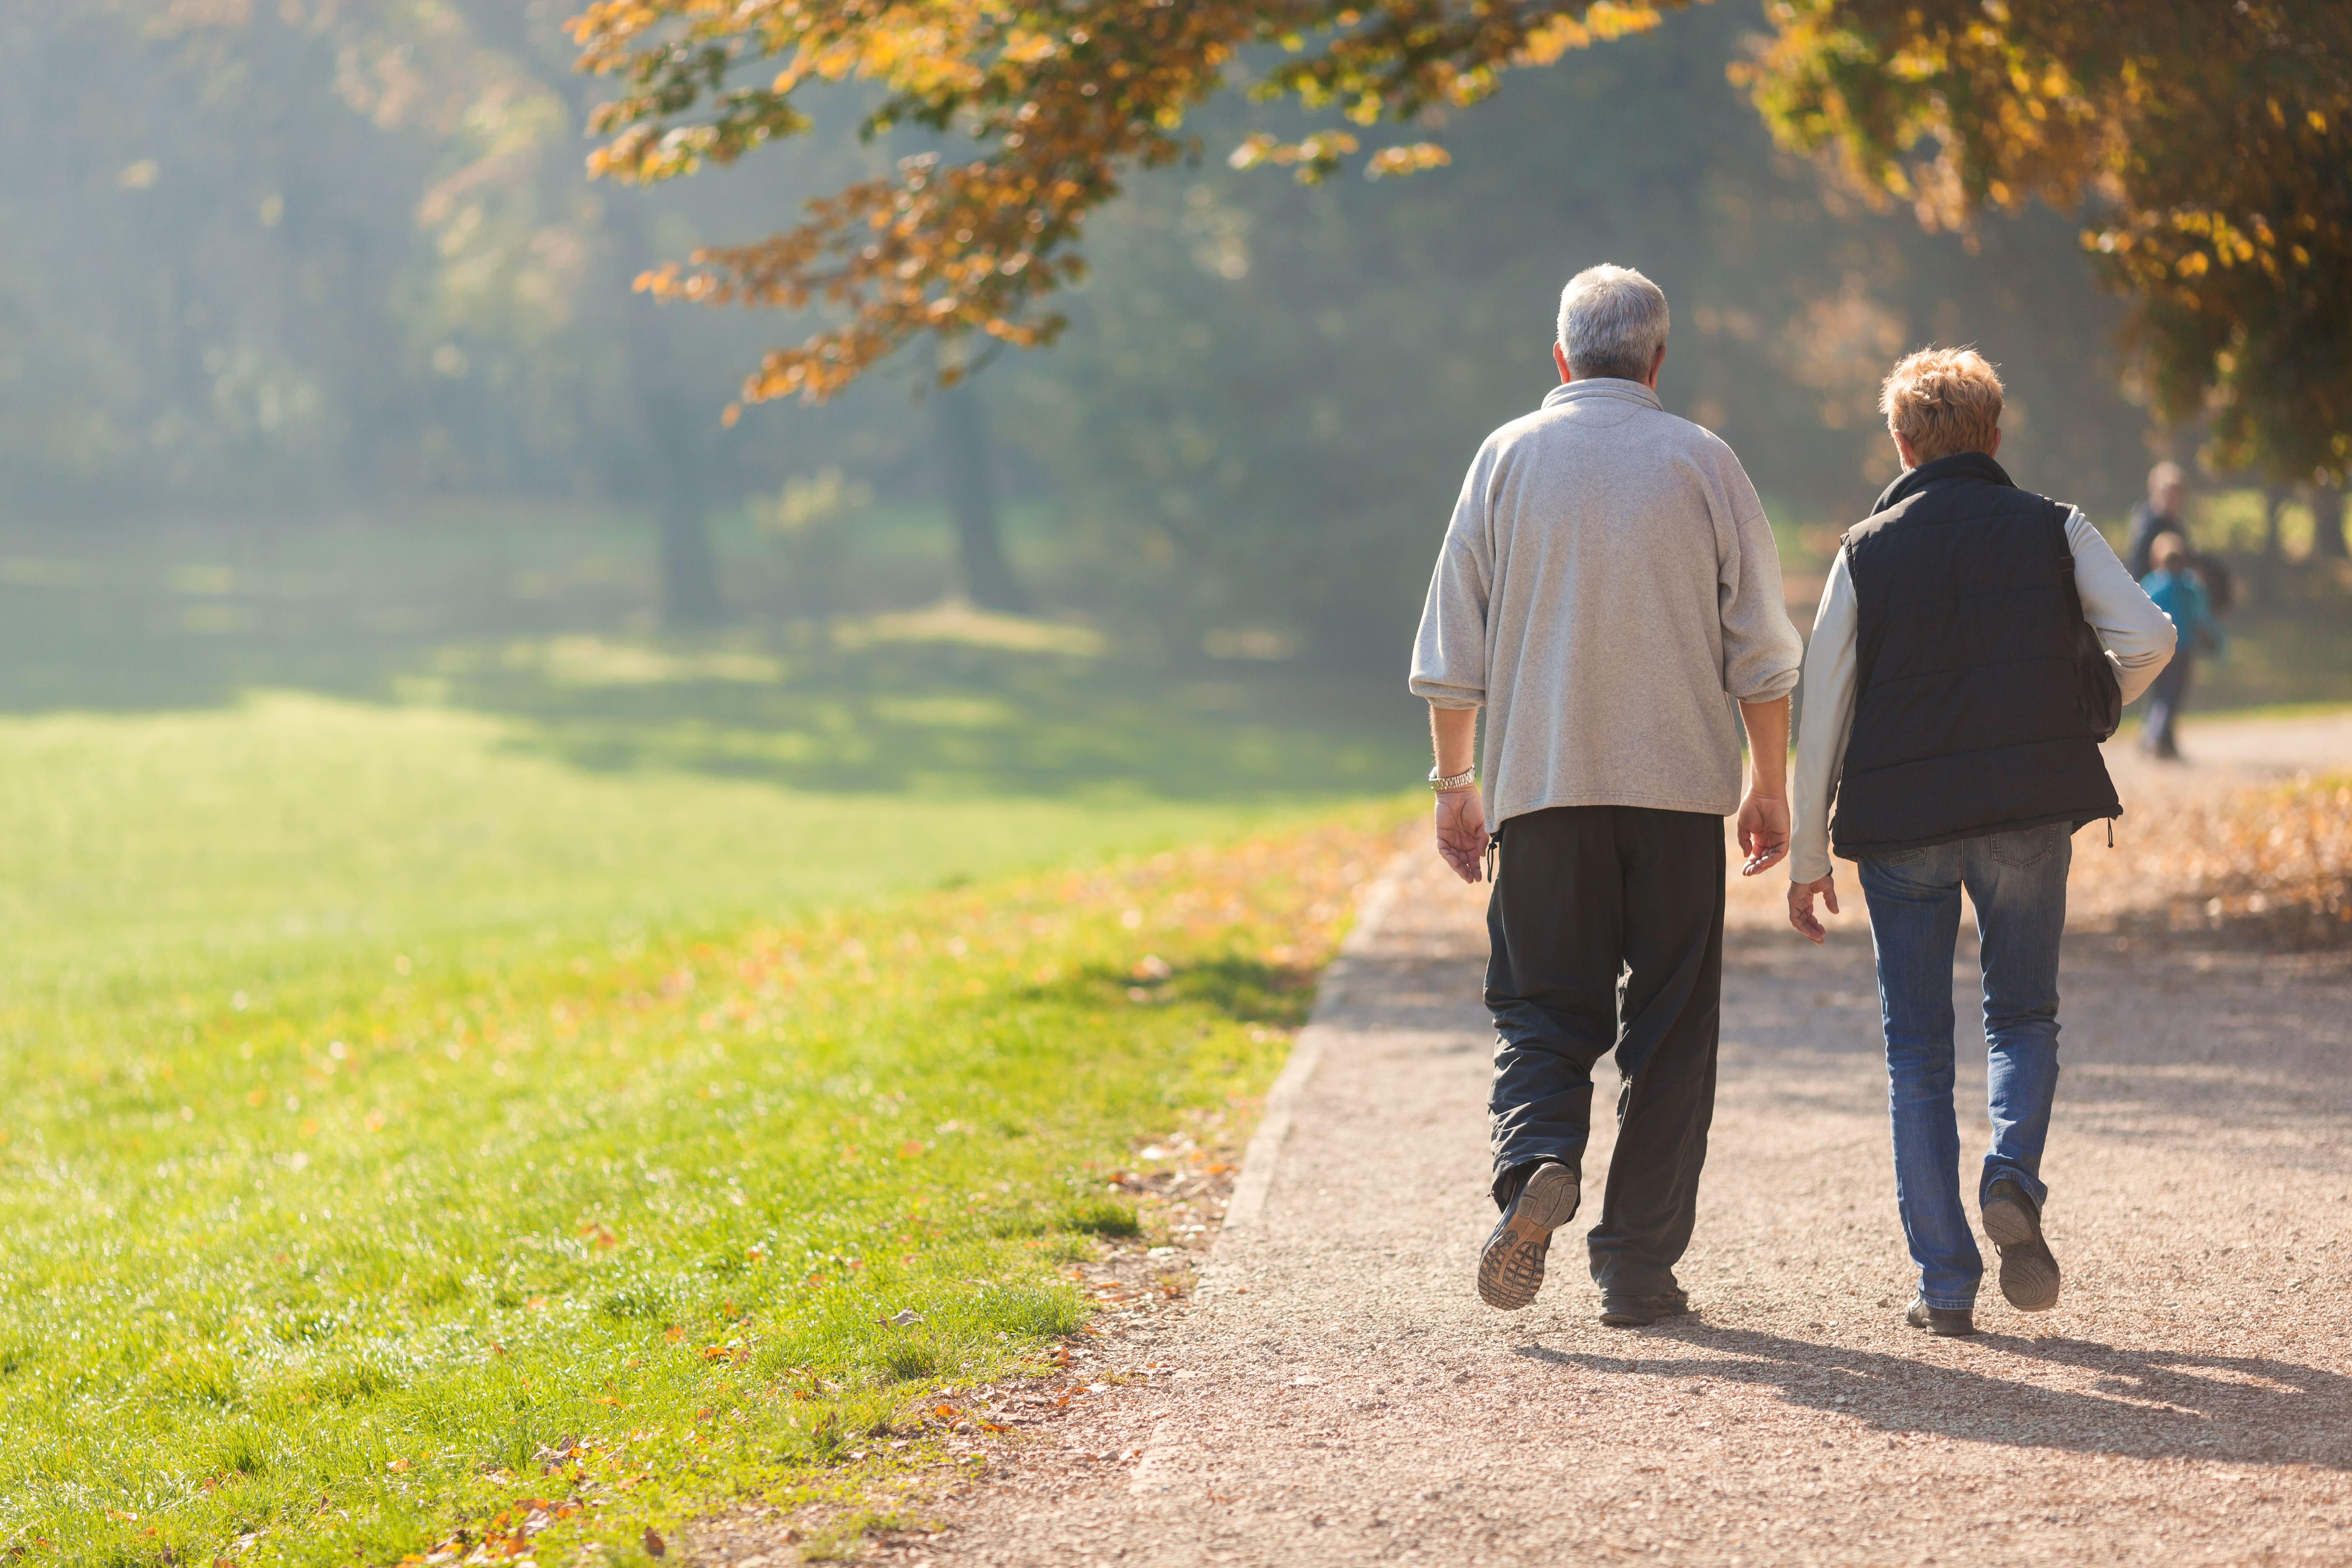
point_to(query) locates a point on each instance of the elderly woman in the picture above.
(1944, 713)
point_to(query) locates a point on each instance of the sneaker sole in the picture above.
(2029, 1274)
(1511, 1269)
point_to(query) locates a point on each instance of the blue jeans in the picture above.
(2018, 883)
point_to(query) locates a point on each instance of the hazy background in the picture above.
(319, 368)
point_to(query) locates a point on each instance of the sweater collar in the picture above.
(1958, 466)
(1600, 387)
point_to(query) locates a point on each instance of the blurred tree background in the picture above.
(321, 286)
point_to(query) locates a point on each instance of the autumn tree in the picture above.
(2207, 146)
(1065, 98)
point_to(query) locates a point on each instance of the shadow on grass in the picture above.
(165, 620)
(1246, 990)
(950, 719)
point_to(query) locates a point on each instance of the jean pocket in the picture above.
(1902, 858)
(2027, 846)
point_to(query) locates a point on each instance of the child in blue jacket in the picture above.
(2180, 594)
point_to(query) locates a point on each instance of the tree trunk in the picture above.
(689, 568)
(2327, 541)
(971, 494)
(672, 471)
(2271, 570)
(689, 572)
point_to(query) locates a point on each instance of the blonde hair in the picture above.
(1943, 401)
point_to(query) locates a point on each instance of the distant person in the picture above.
(1949, 713)
(2167, 487)
(2177, 588)
(2163, 514)
(1608, 591)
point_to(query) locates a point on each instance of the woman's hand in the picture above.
(1800, 906)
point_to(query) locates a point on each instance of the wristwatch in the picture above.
(1461, 780)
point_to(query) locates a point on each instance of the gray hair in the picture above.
(1613, 322)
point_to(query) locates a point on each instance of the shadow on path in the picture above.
(2139, 1404)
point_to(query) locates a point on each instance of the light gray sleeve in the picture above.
(1449, 655)
(1827, 724)
(1761, 650)
(2139, 636)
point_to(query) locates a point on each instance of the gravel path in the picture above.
(1336, 1394)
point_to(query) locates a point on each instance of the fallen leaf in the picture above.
(654, 1545)
(903, 1318)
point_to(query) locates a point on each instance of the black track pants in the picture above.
(1607, 929)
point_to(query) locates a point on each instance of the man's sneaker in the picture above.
(1511, 1269)
(1949, 1321)
(2029, 1275)
(1640, 1312)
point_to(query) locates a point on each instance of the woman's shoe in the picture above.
(2029, 1274)
(1949, 1322)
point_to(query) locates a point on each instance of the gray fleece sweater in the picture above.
(1609, 590)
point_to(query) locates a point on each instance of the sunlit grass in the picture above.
(332, 1273)
(390, 1100)
(296, 841)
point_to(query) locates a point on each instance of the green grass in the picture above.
(391, 1099)
(440, 1021)
(301, 842)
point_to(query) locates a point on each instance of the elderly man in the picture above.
(1952, 714)
(1609, 592)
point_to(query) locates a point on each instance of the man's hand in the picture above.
(1800, 906)
(1462, 831)
(1763, 832)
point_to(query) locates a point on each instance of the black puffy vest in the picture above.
(1968, 718)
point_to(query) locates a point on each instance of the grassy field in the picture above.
(293, 842)
(395, 1103)
(462, 1052)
